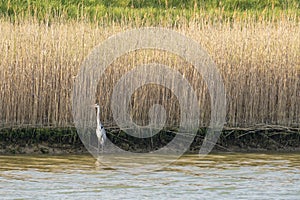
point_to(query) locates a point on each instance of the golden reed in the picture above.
(258, 60)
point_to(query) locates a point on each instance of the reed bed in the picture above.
(259, 61)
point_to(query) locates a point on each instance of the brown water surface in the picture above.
(218, 176)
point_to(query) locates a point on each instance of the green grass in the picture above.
(154, 11)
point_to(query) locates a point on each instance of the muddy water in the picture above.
(218, 176)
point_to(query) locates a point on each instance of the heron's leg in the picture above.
(98, 147)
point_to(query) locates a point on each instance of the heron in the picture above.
(100, 131)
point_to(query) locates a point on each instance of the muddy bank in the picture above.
(66, 140)
(40, 141)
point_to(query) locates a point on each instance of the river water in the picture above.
(217, 176)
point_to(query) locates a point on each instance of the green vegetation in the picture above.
(154, 10)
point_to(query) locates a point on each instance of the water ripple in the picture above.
(222, 176)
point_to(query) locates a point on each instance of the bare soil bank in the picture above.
(66, 140)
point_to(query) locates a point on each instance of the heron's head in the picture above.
(95, 105)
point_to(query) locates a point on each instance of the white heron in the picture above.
(100, 131)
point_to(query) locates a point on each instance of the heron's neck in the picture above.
(98, 116)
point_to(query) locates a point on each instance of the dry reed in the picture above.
(258, 60)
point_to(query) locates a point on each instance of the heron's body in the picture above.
(100, 131)
(101, 134)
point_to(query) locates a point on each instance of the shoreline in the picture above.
(54, 141)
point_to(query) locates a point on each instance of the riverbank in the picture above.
(66, 140)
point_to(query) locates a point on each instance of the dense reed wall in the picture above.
(259, 61)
